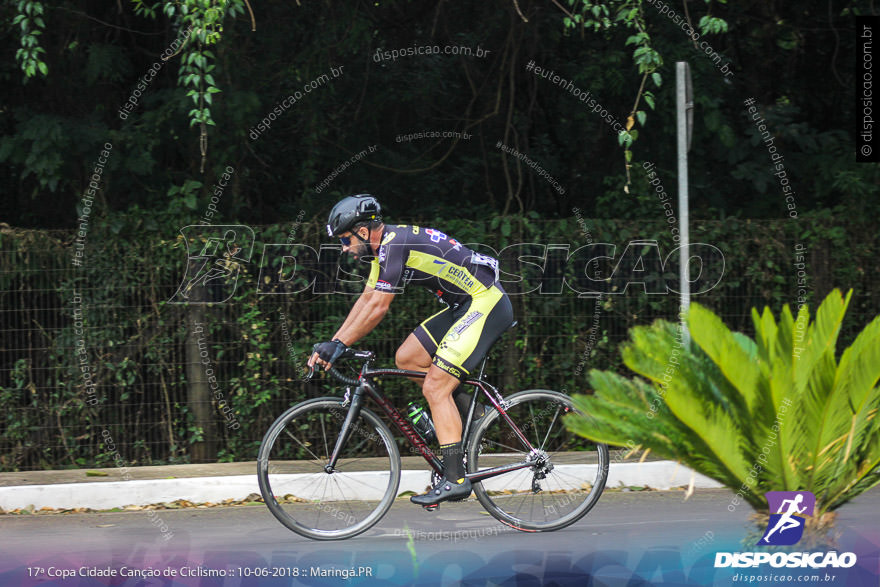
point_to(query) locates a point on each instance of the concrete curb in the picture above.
(106, 495)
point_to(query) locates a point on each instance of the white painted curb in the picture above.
(106, 495)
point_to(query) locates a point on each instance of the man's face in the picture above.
(355, 246)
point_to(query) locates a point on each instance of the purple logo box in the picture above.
(775, 499)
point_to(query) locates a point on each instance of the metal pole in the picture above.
(683, 104)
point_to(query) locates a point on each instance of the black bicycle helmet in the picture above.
(352, 210)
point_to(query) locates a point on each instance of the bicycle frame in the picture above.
(371, 388)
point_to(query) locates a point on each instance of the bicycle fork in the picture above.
(354, 411)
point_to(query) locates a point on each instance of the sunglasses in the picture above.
(346, 240)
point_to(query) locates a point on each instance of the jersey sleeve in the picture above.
(390, 263)
(374, 273)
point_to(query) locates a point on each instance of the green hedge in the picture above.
(135, 341)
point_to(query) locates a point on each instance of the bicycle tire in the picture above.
(573, 485)
(288, 468)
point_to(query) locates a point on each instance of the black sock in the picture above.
(453, 464)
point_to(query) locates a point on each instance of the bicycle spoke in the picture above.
(317, 459)
(324, 436)
(534, 424)
(550, 427)
(508, 447)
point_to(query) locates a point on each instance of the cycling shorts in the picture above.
(459, 337)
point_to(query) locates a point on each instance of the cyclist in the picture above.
(449, 344)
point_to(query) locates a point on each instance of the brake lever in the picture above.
(310, 374)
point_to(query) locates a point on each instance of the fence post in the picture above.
(198, 396)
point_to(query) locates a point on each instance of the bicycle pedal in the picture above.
(431, 508)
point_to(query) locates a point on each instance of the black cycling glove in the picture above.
(330, 351)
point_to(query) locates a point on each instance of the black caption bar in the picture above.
(867, 31)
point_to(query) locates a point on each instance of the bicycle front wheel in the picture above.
(303, 495)
(568, 474)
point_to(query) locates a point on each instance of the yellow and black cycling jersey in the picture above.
(459, 336)
(431, 259)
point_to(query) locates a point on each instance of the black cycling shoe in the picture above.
(444, 490)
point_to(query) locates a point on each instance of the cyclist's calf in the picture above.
(437, 389)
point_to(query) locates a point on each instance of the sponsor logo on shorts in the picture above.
(449, 368)
(465, 322)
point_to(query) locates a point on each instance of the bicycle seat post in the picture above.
(483, 366)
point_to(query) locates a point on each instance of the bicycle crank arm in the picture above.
(495, 471)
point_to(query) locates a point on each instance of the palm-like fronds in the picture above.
(777, 413)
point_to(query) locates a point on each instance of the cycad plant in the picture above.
(778, 413)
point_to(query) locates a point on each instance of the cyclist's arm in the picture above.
(364, 316)
(373, 303)
(356, 311)
(371, 308)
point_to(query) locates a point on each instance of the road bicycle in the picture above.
(329, 468)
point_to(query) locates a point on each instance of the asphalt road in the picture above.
(630, 538)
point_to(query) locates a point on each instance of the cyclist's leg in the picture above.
(412, 356)
(499, 317)
(474, 333)
(462, 347)
(419, 347)
(437, 389)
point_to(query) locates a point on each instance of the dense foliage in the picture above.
(179, 112)
(136, 343)
(780, 412)
(76, 67)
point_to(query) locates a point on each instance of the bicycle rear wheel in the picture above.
(568, 475)
(309, 500)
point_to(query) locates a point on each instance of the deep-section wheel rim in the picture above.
(320, 505)
(569, 471)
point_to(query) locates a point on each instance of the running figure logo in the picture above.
(788, 511)
(215, 257)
